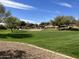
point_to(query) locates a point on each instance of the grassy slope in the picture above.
(64, 42)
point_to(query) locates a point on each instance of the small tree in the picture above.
(22, 24)
(11, 22)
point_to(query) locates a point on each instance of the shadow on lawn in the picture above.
(15, 35)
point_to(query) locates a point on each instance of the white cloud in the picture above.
(66, 5)
(55, 12)
(30, 21)
(76, 18)
(9, 3)
(50, 11)
(58, 12)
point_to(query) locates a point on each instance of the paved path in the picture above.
(33, 51)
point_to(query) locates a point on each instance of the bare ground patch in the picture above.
(15, 50)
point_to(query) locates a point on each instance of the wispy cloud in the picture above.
(57, 12)
(50, 11)
(12, 4)
(65, 4)
(76, 18)
(30, 21)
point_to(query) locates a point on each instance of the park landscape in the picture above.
(60, 34)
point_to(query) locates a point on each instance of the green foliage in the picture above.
(31, 25)
(64, 20)
(11, 22)
(22, 24)
(2, 9)
(43, 24)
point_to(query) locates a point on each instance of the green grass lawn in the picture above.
(66, 42)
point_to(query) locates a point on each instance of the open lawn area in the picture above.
(66, 42)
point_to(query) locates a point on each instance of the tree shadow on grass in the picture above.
(15, 35)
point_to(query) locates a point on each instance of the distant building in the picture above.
(51, 26)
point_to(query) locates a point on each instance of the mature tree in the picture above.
(44, 23)
(64, 20)
(36, 26)
(52, 22)
(11, 22)
(30, 25)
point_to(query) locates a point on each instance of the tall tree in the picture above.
(64, 20)
(2, 12)
(52, 22)
(2, 9)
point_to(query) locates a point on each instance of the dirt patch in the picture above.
(16, 54)
(15, 50)
(13, 54)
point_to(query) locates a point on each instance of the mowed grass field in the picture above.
(66, 42)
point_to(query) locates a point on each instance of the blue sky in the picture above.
(37, 11)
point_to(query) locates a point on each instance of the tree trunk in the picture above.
(11, 29)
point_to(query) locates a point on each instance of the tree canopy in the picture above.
(64, 20)
(11, 22)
